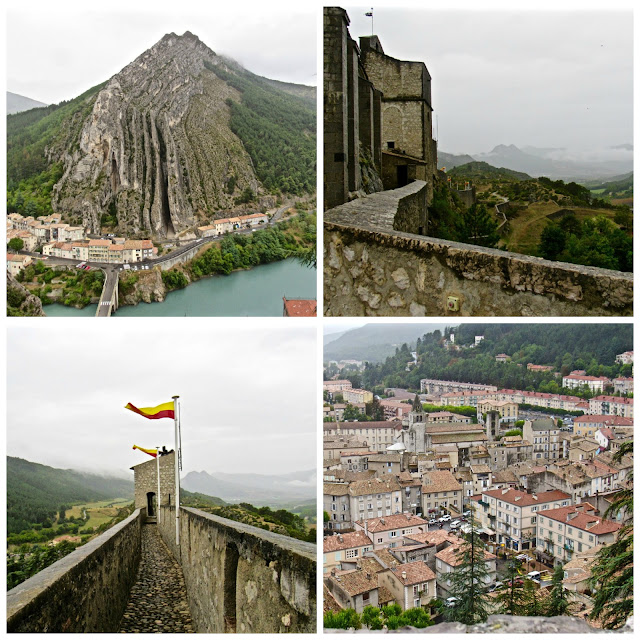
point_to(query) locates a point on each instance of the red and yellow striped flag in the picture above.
(154, 413)
(151, 452)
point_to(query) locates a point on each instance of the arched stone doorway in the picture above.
(151, 504)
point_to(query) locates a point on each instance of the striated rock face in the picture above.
(156, 150)
(148, 287)
(19, 301)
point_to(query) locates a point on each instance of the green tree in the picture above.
(553, 240)
(416, 405)
(612, 572)
(372, 618)
(374, 409)
(468, 581)
(558, 601)
(351, 413)
(345, 619)
(416, 617)
(476, 226)
(16, 244)
(511, 596)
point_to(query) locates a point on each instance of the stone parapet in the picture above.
(373, 268)
(241, 578)
(84, 592)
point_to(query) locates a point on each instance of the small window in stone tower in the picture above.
(391, 145)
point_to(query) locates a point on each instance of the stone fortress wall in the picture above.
(373, 267)
(379, 260)
(84, 592)
(238, 577)
(241, 578)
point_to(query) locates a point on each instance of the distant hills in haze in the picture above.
(17, 103)
(374, 342)
(255, 488)
(555, 163)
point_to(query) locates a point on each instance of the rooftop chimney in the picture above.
(404, 575)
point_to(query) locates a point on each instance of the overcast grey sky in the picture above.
(248, 393)
(539, 78)
(57, 50)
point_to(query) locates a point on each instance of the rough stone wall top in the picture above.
(372, 270)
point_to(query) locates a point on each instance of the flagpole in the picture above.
(176, 418)
(158, 474)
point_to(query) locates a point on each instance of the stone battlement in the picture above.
(373, 267)
(84, 592)
(241, 578)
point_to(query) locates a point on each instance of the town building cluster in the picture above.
(400, 492)
(227, 225)
(61, 240)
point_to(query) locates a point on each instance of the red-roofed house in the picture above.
(299, 308)
(512, 514)
(595, 384)
(412, 584)
(588, 425)
(343, 546)
(611, 406)
(389, 531)
(568, 530)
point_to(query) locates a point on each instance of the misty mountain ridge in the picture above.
(177, 136)
(17, 103)
(375, 342)
(557, 163)
(252, 487)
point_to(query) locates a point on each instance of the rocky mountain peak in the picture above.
(157, 152)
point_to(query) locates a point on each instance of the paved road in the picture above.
(110, 283)
(158, 599)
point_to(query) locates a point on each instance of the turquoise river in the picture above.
(256, 292)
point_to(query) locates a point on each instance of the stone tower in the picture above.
(145, 480)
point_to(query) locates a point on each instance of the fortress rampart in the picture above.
(84, 592)
(374, 266)
(241, 578)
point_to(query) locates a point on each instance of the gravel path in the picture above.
(158, 599)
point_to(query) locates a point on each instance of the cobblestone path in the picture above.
(158, 599)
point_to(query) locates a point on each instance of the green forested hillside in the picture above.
(564, 346)
(30, 175)
(277, 129)
(35, 492)
(483, 170)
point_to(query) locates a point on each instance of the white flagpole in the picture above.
(176, 417)
(158, 474)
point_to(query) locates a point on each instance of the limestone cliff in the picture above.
(20, 302)
(146, 286)
(156, 151)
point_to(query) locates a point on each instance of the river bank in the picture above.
(252, 292)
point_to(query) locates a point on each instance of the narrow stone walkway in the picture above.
(158, 599)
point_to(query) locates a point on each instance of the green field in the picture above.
(525, 229)
(98, 512)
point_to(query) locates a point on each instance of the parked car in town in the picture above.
(451, 602)
(444, 518)
(432, 521)
(455, 525)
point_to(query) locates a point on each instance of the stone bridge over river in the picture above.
(223, 577)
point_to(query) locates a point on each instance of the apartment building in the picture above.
(388, 532)
(544, 435)
(375, 498)
(512, 514)
(354, 396)
(573, 529)
(611, 405)
(343, 546)
(336, 502)
(412, 584)
(441, 493)
(593, 383)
